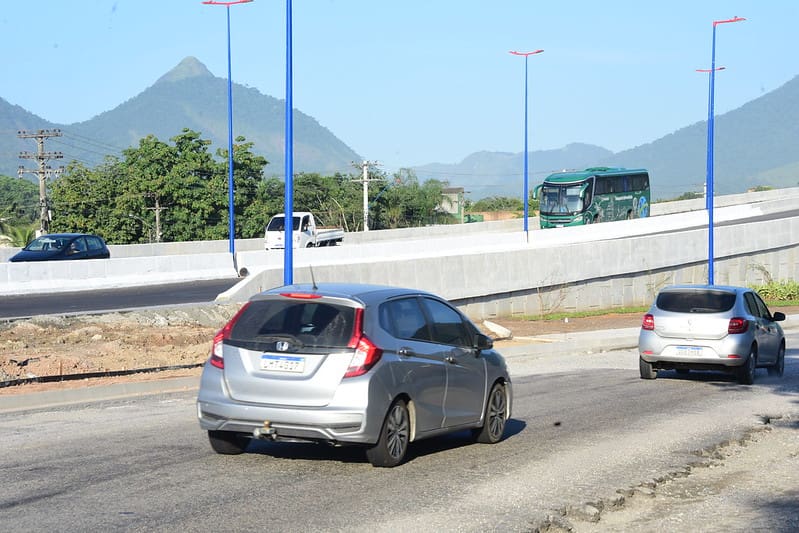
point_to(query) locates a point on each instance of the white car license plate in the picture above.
(689, 351)
(282, 363)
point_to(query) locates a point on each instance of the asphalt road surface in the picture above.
(583, 428)
(27, 305)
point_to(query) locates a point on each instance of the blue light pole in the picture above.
(526, 179)
(709, 183)
(288, 198)
(231, 211)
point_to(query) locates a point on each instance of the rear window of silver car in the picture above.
(312, 323)
(695, 301)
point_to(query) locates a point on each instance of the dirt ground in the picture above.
(63, 346)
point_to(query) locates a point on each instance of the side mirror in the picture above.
(778, 316)
(483, 342)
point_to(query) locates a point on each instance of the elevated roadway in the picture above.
(473, 264)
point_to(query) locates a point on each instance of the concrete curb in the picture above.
(117, 391)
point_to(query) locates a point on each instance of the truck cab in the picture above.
(305, 232)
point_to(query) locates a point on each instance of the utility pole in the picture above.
(43, 171)
(365, 180)
(157, 210)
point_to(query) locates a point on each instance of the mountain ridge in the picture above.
(755, 144)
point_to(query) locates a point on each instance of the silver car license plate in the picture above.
(689, 351)
(282, 363)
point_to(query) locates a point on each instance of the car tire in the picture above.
(228, 442)
(778, 369)
(395, 435)
(646, 369)
(746, 374)
(495, 418)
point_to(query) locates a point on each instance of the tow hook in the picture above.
(265, 432)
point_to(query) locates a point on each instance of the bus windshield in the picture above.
(561, 198)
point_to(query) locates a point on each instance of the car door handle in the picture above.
(406, 352)
(450, 359)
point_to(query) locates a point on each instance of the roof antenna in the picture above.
(313, 280)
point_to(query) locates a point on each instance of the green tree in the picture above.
(18, 236)
(19, 201)
(499, 203)
(83, 200)
(407, 203)
(175, 192)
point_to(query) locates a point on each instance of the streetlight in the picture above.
(288, 194)
(231, 221)
(526, 185)
(146, 224)
(709, 185)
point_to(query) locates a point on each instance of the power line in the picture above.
(43, 171)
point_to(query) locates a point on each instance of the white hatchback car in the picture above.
(711, 327)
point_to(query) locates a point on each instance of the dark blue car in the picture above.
(57, 246)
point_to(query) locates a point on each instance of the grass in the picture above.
(585, 314)
(631, 310)
(782, 303)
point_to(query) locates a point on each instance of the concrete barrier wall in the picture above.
(119, 251)
(489, 274)
(61, 276)
(599, 272)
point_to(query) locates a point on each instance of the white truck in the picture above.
(306, 233)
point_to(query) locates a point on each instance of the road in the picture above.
(583, 428)
(24, 306)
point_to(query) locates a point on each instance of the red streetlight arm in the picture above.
(215, 3)
(525, 53)
(734, 19)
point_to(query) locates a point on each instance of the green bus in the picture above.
(598, 194)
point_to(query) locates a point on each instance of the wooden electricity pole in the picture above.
(43, 171)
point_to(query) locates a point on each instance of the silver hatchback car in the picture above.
(711, 327)
(344, 364)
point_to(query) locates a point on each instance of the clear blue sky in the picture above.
(417, 81)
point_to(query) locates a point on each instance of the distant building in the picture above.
(452, 201)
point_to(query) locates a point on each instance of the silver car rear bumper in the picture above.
(217, 411)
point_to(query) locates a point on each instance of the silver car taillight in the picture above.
(217, 358)
(738, 325)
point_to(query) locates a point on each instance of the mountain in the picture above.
(756, 144)
(188, 96)
(13, 119)
(485, 174)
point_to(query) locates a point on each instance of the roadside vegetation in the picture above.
(776, 294)
(779, 293)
